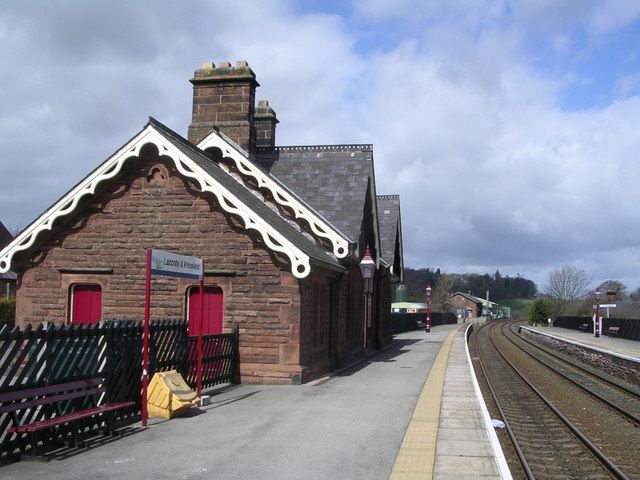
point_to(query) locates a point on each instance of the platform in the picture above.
(410, 411)
(629, 349)
(450, 434)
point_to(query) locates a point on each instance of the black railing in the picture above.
(51, 354)
(405, 322)
(629, 327)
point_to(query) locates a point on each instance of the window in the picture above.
(212, 320)
(86, 304)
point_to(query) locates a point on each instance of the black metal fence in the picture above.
(50, 354)
(404, 322)
(630, 327)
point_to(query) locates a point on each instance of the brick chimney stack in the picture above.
(224, 98)
(265, 122)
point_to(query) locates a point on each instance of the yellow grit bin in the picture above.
(169, 395)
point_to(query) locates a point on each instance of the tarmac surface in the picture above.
(348, 426)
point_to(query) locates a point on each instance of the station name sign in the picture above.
(174, 265)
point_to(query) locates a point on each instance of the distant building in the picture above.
(408, 307)
(466, 305)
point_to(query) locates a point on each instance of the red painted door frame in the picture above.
(86, 304)
(212, 319)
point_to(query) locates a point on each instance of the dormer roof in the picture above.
(336, 180)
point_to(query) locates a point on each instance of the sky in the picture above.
(508, 127)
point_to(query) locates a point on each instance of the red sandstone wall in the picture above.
(315, 325)
(460, 302)
(152, 205)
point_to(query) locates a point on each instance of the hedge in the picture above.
(7, 311)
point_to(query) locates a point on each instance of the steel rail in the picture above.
(512, 436)
(625, 389)
(615, 407)
(601, 457)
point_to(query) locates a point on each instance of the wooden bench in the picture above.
(613, 331)
(585, 327)
(58, 398)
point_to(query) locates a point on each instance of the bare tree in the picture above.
(613, 290)
(565, 284)
(635, 295)
(441, 293)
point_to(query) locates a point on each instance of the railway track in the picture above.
(558, 424)
(620, 396)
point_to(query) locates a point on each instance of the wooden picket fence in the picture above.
(50, 354)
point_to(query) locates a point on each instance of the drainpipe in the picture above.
(334, 315)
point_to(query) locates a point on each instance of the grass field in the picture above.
(519, 306)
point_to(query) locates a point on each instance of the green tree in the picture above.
(7, 312)
(539, 312)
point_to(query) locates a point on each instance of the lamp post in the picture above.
(367, 267)
(428, 327)
(597, 322)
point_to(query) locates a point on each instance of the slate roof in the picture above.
(316, 253)
(9, 276)
(5, 236)
(475, 299)
(389, 220)
(468, 296)
(332, 179)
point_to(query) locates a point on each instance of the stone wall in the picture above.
(627, 370)
(151, 205)
(462, 303)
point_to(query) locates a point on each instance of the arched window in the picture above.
(86, 304)
(212, 320)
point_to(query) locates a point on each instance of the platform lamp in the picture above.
(597, 322)
(367, 267)
(428, 290)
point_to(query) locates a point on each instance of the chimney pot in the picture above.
(265, 122)
(224, 97)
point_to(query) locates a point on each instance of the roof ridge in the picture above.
(335, 148)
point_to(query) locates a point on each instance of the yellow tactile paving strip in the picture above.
(417, 453)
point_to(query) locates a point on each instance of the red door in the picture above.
(86, 304)
(212, 320)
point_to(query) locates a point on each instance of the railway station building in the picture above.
(282, 231)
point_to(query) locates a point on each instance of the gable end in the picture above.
(275, 240)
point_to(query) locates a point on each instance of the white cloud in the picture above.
(627, 85)
(612, 15)
(467, 14)
(505, 178)
(492, 174)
